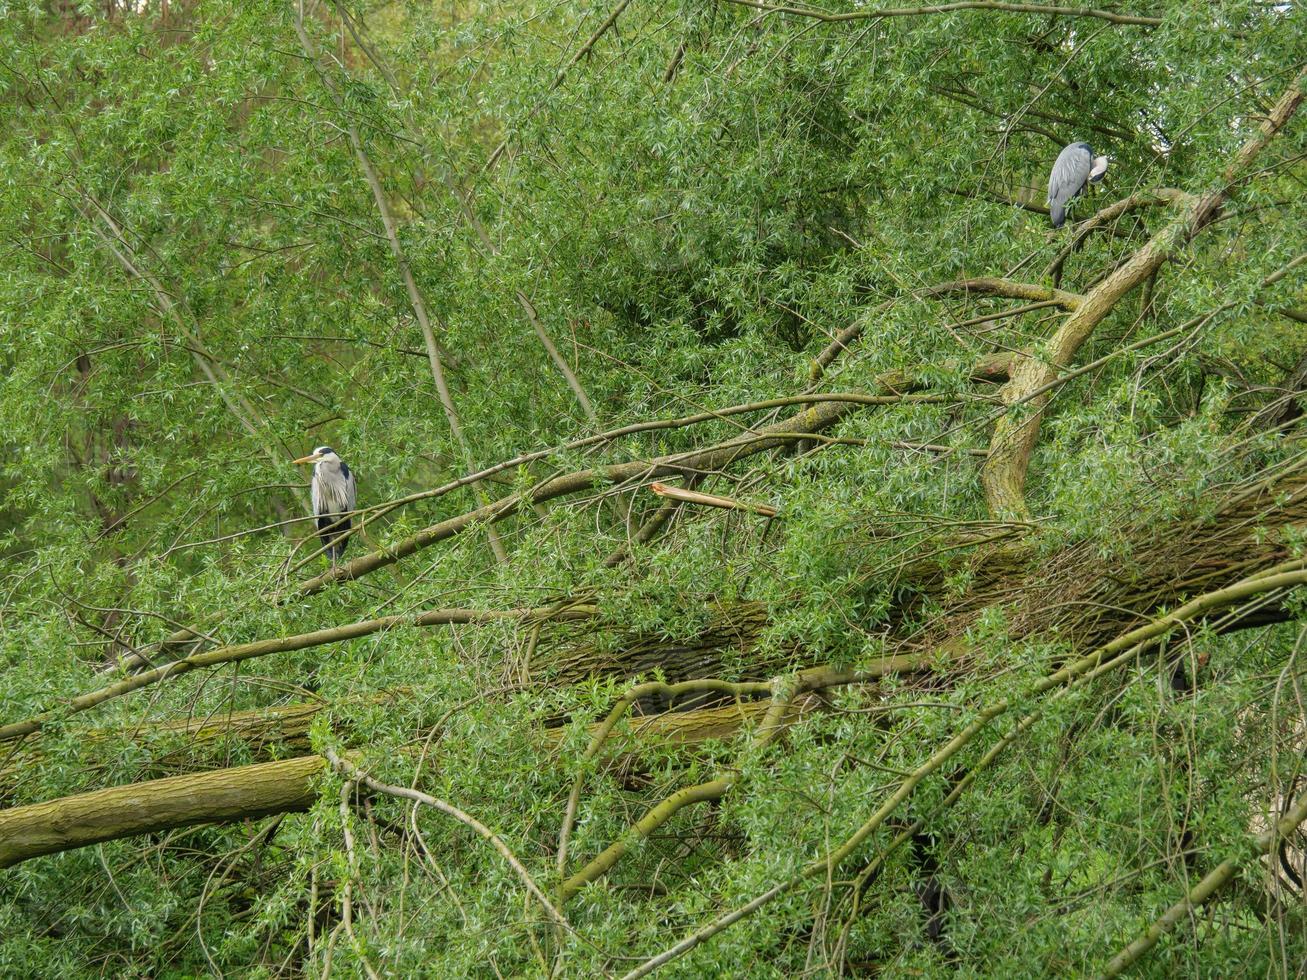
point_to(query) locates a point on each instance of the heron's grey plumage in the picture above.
(1075, 167)
(334, 493)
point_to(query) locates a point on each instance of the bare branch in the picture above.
(302, 641)
(944, 8)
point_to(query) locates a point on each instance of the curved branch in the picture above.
(987, 285)
(348, 769)
(262, 648)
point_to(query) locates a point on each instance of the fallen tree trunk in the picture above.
(163, 804)
(287, 785)
(1077, 595)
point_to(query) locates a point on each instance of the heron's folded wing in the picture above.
(1069, 173)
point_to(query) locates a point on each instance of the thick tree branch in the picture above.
(247, 792)
(1109, 214)
(1004, 472)
(244, 793)
(944, 8)
(996, 286)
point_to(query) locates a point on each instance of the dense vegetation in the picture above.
(992, 659)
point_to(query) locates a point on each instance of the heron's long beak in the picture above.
(313, 458)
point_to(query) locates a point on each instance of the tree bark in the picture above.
(163, 804)
(287, 785)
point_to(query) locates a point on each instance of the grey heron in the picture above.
(1076, 167)
(333, 498)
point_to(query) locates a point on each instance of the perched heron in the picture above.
(1076, 166)
(333, 498)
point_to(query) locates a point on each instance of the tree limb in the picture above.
(262, 648)
(1013, 442)
(943, 8)
(1211, 883)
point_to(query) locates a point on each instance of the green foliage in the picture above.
(694, 211)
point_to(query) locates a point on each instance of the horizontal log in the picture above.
(242, 793)
(287, 785)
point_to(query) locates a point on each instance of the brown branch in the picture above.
(711, 500)
(651, 526)
(820, 416)
(943, 8)
(1013, 442)
(302, 641)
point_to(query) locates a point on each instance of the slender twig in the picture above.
(351, 771)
